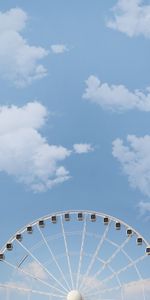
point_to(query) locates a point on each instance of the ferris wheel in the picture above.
(75, 255)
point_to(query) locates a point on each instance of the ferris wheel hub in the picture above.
(74, 295)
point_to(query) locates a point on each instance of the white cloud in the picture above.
(135, 160)
(93, 283)
(36, 270)
(24, 153)
(14, 287)
(131, 17)
(144, 207)
(82, 148)
(134, 290)
(19, 62)
(115, 97)
(59, 48)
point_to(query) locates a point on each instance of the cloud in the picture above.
(91, 282)
(115, 97)
(14, 287)
(134, 290)
(36, 270)
(144, 208)
(135, 161)
(82, 148)
(131, 17)
(24, 153)
(19, 62)
(59, 48)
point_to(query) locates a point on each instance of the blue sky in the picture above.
(98, 179)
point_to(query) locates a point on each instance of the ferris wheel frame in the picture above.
(65, 216)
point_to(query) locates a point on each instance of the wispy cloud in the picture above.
(135, 160)
(144, 208)
(59, 48)
(36, 270)
(19, 62)
(131, 17)
(82, 148)
(134, 290)
(115, 97)
(26, 154)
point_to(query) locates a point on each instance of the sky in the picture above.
(74, 110)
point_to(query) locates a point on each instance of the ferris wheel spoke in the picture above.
(53, 257)
(115, 288)
(92, 295)
(137, 270)
(135, 265)
(84, 288)
(90, 289)
(97, 288)
(28, 274)
(137, 282)
(114, 254)
(131, 264)
(128, 257)
(81, 253)
(114, 274)
(28, 290)
(42, 266)
(123, 286)
(67, 253)
(96, 253)
(117, 273)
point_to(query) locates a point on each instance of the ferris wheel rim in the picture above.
(73, 211)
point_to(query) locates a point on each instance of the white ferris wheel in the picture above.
(75, 255)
